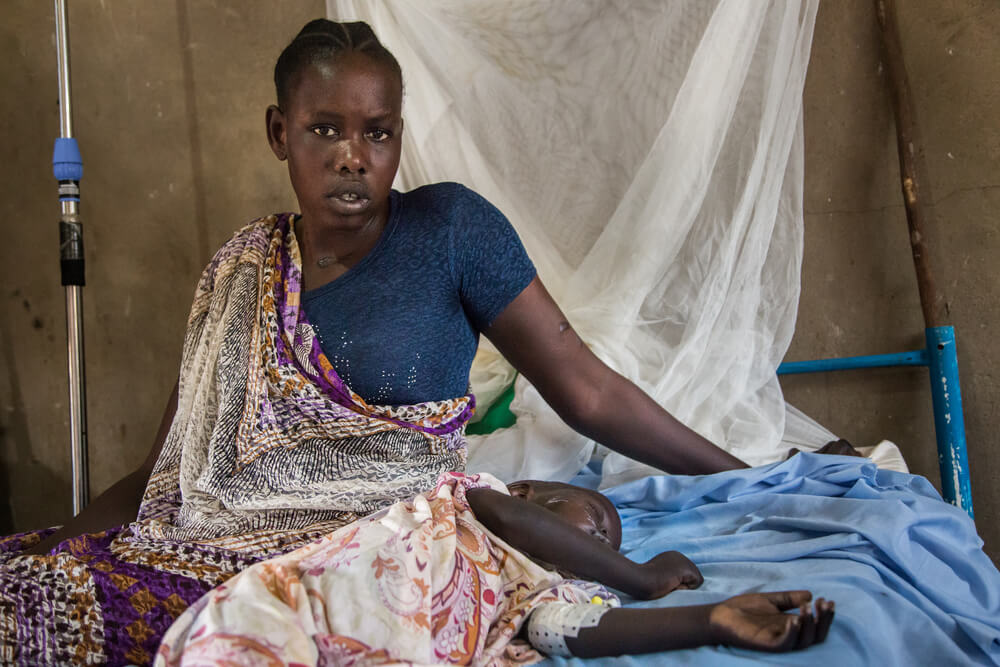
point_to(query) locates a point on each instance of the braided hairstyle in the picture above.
(322, 40)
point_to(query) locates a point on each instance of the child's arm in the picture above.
(755, 621)
(539, 533)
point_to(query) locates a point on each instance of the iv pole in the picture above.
(67, 167)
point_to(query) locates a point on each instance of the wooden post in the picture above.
(911, 168)
(946, 393)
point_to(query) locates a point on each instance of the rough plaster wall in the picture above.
(169, 100)
(859, 293)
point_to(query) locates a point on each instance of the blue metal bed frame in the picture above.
(942, 360)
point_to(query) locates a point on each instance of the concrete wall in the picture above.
(169, 100)
(859, 289)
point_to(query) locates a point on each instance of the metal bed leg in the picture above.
(949, 424)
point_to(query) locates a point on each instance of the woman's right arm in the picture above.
(120, 503)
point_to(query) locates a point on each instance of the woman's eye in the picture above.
(324, 130)
(378, 135)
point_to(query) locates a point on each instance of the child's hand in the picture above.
(757, 621)
(668, 572)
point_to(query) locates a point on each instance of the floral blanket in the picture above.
(422, 582)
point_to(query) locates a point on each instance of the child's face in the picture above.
(587, 510)
(341, 132)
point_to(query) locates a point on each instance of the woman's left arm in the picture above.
(536, 338)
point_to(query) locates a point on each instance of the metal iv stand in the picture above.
(67, 167)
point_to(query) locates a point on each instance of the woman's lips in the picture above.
(349, 191)
(350, 196)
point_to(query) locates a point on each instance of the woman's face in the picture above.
(584, 509)
(341, 132)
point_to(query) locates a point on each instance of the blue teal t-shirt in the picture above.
(402, 325)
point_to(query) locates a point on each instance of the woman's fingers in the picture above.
(839, 447)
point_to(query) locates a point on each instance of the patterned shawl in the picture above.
(268, 449)
(267, 436)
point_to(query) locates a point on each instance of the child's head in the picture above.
(587, 510)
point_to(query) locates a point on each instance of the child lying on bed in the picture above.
(447, 578)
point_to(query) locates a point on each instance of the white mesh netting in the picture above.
(649, 154)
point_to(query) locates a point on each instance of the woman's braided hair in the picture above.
(322, 40)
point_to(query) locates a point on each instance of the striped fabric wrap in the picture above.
(267, 436)
(269, 449)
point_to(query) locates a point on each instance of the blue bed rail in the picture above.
(942, 360)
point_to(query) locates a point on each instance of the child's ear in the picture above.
(519, 490)
(277, 132)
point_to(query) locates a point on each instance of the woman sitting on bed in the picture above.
(464, 575)
(386, 294)
(324, 375)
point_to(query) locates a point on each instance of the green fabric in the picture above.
(497, 416)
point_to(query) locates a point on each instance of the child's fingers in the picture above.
(824, 618)
(787, 639)
(807, 627)
(785, 600)
(694, 579)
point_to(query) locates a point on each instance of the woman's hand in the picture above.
(667, 572)
(838, 447)
(757, 621)
(120, 503)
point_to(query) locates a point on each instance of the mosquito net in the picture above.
(649, 154)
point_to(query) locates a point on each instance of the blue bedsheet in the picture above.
(907, 571)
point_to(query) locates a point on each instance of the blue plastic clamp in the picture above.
(67, 164)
